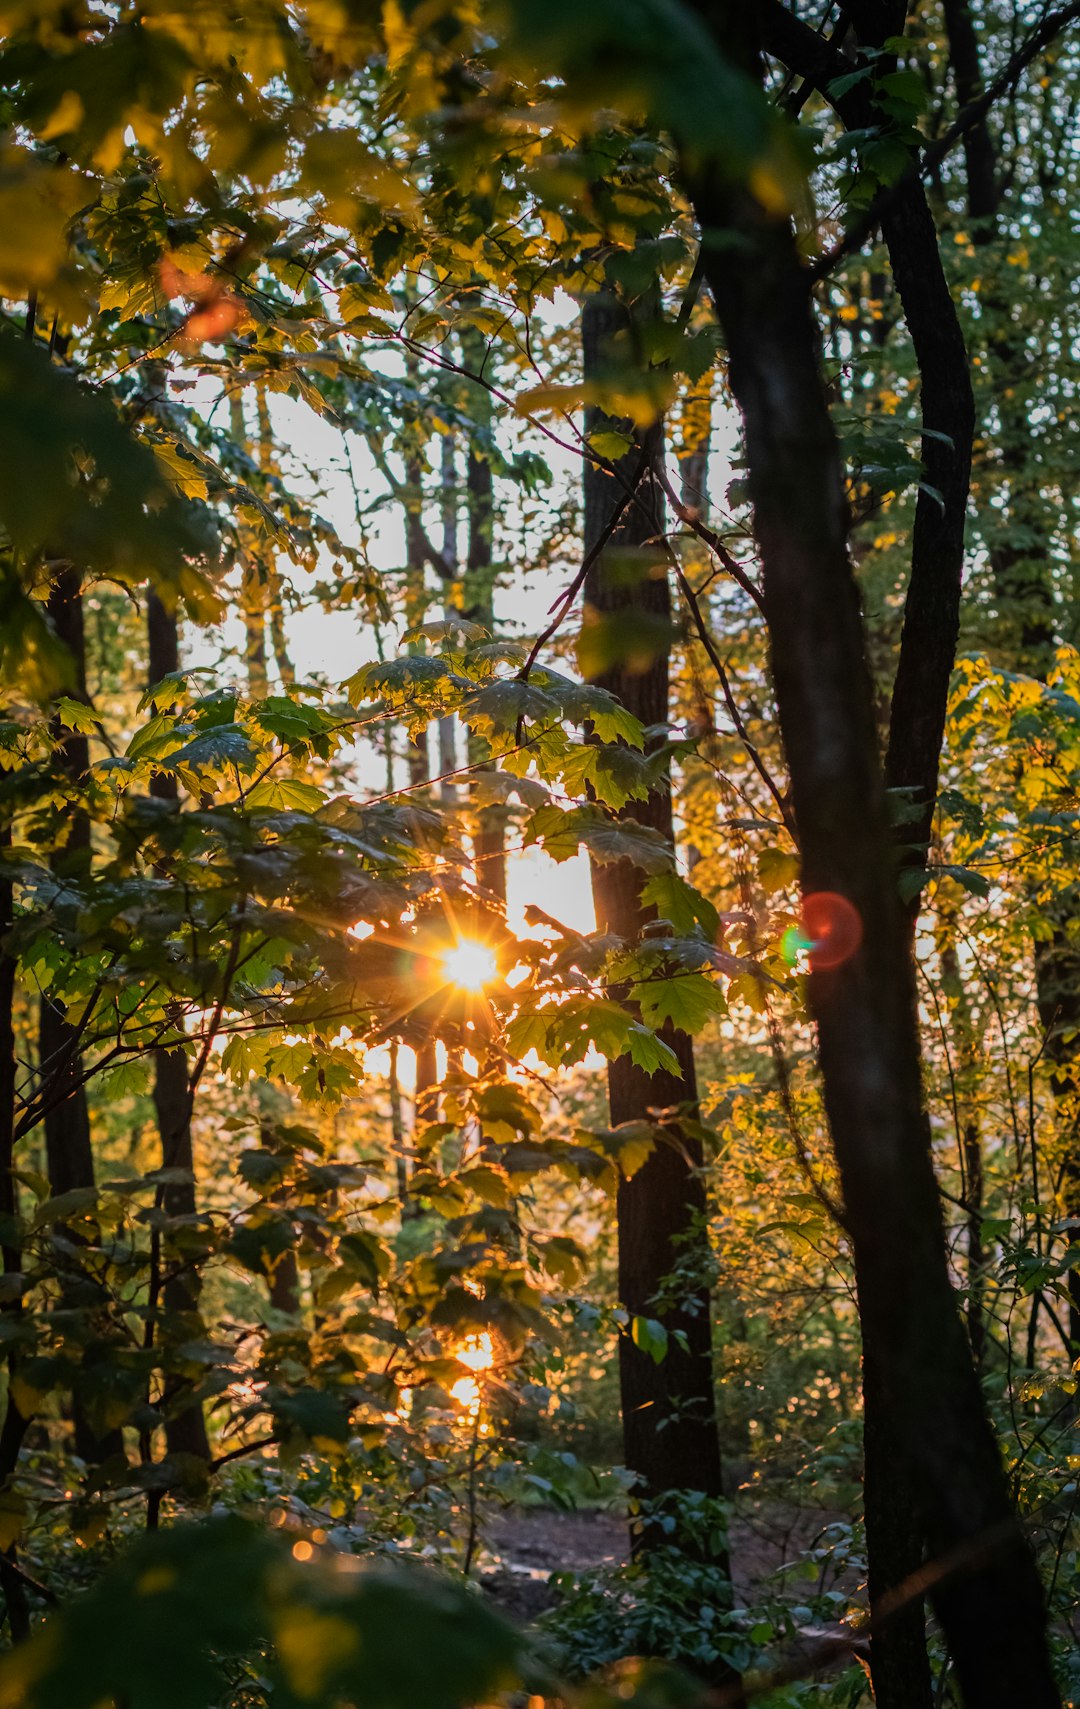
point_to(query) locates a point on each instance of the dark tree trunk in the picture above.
(668, 1408)
(14, 1426)
(985, 1587)
(69, 1156)
(185, 1426)
(980, 163)
(895, 1543)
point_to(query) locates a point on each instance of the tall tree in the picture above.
(985, 1587)
(670, 1433)
(66, 1116)
(185, 1426)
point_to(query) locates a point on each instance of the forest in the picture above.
(539, 814)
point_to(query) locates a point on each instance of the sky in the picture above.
(333, 645)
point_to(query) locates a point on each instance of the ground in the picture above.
(524, 1546)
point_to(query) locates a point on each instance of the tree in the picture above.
(864, 1009)
(661, 1206)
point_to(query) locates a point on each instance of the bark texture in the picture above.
(669, 1417)
(185, 1425)
(66, 1118)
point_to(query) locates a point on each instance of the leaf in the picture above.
(651, 1053)
(622, 839)
(676, 901)
(76, 715)
(687, 1000)
(777, 869)
(184, 1603)
(287, 793)
(649, 1334)
(630, 639)
(610, 444)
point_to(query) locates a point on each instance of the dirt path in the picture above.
(524, 1546)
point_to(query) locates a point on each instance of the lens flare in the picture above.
(831, 930)
(469, 965)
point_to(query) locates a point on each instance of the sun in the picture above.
(469, 965)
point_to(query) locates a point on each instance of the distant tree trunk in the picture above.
(969, 1138)
(489, 836)
(254, 593)
(692, 449)
(988, 1596)
(69, 1157)
(670, 1432)
(185, 1430)
(274, 606)
(426, 1088)
(1020, 563)
(14, 1427)
(448, 507)
(416, 601)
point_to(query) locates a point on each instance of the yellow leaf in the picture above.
(67, 116)
(311, 1648)
(12, 1517)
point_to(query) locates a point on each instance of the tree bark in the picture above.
(15, 1424)
(919, 700)
(69, 1156)
(986, 1590)
(668, 1409)
(185, 1425)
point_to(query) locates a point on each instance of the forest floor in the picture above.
(525, 1545)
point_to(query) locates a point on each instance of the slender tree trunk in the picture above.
(448, 506)
(985, 1587)
(185, 1426)
(416, 600)
(275, 609)
(253, 588)
(14, 1427)
(489, 836)
(69, 1156)
(670, 1433)
(694, 440)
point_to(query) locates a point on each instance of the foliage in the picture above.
(260, 250)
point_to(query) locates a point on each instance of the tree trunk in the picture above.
(15, 1425)
(489, 836)
(895, 1544)
(185, 1426)
(985, 1587)
(69, 1157)
(670, 1433)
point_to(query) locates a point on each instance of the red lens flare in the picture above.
(832, 928)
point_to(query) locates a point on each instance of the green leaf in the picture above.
(287, 793)
(650, 1053)
(649, 1334)
(676, 901)
(687, 1000)
(610, 444)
